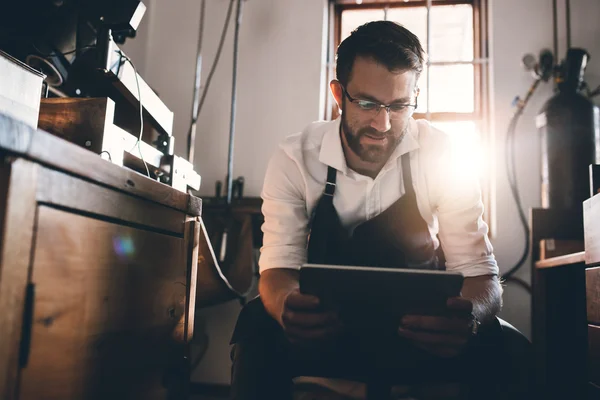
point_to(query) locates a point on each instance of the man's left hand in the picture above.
(443, 336)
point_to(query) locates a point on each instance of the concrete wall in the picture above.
(281, 89)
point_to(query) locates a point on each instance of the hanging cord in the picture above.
(137, 82)
(213, 68)
(197, 84)
(514, 188)
(223, 250)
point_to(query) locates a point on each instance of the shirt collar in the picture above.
(332, 153)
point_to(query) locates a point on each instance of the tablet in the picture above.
(380, 295)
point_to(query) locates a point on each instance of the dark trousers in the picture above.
(497, 364)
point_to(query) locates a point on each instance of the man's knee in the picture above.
(517, 367)
(515, 344)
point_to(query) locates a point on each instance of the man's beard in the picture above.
(370, 153)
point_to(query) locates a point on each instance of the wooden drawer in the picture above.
(594, 354)
(108, 301)
(592, 292)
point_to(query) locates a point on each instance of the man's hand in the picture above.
(303, 319)
(443, 336)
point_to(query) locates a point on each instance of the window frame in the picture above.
(481, 63)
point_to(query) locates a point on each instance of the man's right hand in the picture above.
(304, 319)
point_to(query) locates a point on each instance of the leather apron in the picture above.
(396, 238)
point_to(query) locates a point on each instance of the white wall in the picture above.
(517, 29)
(280, 87)
(280, 90)
(137, 48)
(279, 79)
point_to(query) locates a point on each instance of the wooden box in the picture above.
(98, 272)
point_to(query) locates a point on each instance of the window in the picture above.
(453, 85)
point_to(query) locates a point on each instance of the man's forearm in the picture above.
(486, 294)
(274, 284)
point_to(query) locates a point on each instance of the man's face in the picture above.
(371, 134)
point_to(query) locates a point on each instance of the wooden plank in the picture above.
(89, 123)
(594, 354)
(108, 300)
(550, 248)
(77, 120)
(18, 194)
(193, 247)
(63, 190)
(561, 261)
(591, 216)
(57, 153)
(592, 285)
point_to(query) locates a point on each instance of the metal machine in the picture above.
(75, 43)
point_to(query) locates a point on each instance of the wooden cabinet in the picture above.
(98, 268)
(591, 212)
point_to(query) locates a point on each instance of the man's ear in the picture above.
(417, 92)
(337, 92)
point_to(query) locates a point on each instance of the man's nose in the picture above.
(381, 121)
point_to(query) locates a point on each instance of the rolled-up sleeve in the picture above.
(285, 226)
(462, 231)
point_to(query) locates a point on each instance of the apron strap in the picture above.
(330, 184)
(406, 174)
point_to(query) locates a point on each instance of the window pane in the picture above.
(451, 29)
(422, 85)
(352, 19)
(452, 33)
(412, 18)
(452, 88)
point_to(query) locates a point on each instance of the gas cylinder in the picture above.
(569, 126)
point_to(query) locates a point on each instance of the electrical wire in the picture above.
(46, 55)
(217, 56)
(511, 173)
(191, 142)
(137, 82)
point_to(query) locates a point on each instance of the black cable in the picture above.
(197, 83)
(519, 282)
(46, 55)
(107, 153)
(511, 172)
(217, 56)
(240, 296)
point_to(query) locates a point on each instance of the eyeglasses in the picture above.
(395, 111)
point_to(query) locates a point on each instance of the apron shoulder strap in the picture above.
(406, 174)
(330, 184)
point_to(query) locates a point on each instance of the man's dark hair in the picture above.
(387, 42)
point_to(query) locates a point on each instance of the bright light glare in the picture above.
(469, 154)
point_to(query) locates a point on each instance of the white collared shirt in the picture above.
(448, 199)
